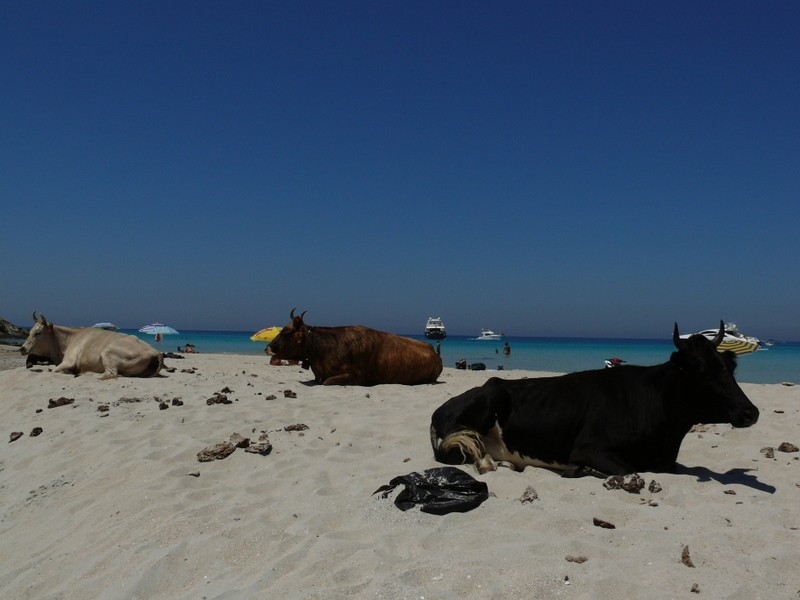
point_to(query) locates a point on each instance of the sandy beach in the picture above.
(110, 501)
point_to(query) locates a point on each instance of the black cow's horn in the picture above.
(291, 314)
(676, 338)
(720, 334)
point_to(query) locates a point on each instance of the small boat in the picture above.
(489, 335)
(733, 339)
(434, 329)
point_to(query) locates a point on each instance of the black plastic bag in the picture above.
(438, 491)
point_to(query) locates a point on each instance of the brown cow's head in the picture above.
(41, 340)
(290, 344)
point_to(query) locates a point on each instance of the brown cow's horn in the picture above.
(720, 335)
(302, 314)
(291, 314)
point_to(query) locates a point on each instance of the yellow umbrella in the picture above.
(266, 335)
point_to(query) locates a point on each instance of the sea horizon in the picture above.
(776, 364)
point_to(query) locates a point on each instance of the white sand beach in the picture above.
(113, 503)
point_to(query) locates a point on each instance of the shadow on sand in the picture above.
(732, 477)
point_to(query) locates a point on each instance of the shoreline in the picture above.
(10, 358)
(109, 500)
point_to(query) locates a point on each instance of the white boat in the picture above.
(733, 339)
(434, 329)
(489, 335)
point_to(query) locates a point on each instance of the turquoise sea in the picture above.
(779, 363)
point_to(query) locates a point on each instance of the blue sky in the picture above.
(540, 168)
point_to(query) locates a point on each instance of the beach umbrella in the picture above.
(158, 330)
(266, 335)
(154, 328)
(105, 325)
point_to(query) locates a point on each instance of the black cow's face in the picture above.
(290, 342)
(721, 398)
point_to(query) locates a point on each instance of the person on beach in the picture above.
(506, 349)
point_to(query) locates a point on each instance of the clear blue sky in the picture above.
(540, 168)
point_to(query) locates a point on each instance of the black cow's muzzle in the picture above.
(746, 417)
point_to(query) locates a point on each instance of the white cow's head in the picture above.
(41, 340)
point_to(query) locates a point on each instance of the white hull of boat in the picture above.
(733, 340)
(487, 335)
(434, 329)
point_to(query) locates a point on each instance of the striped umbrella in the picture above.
(158, 329)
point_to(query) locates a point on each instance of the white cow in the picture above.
(89, 349)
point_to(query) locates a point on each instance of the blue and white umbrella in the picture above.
(106, 325)
(158, 329)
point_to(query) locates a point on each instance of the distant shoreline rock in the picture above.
(11, 331)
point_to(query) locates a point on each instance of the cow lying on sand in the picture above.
(356, 355)
(609, 421)
(89, 349)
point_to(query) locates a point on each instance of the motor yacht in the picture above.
(489, 335)
(434, 329)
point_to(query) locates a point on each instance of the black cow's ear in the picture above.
(729, 360)
(687, 361)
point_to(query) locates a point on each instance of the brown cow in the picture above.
(356, 355)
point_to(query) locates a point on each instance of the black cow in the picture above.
(608, 421)
(356, 355)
